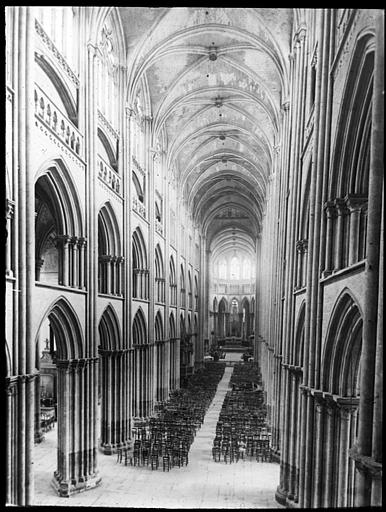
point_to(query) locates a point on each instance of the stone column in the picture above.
(377, 448)
(227, 327)
(292, 434)
(329, 469)
(330, 210)
(345, 408)
(118, 282)
(113, 285)
(341, 211)
(282, 489)
(82, 246)
(355, 207)
(65, 260)
(303, 441)
(10, 209)
(74, 262)
(318, 469)
(107, 260)
(137, 381)
(38, 267)
(372, 284)
(178, 362)
(38, 432)
(299, 250)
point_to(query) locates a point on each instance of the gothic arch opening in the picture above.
(174, 351)
(113, 384)
(139, 265)
(159, 275)
(223, 319)
(340, 379)
(109, 252)
(59, 240)
(172, 282)
(76, 448)
(161, 357)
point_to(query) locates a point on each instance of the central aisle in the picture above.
(203, 483)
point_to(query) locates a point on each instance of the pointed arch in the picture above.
(195, 293)
(342, 351)
(55, 187)
(109, 330)
(195, 325)
(159, 264)
(182, 277)
(108, 148)
(182, 325)
(139, 328)
(172, 326)
(66, 329)
(172, 271)
(158, 327)
(109, 239)
(139, 250)
(299, 336)
(223, 305)
(245, 303)
(60, 85)
(352, 141)
(137, 186)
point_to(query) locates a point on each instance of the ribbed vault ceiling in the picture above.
(216, 79)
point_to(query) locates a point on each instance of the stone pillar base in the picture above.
(281, 496)
(66, 488)
(110, 449)
(39, 437)
(291, 504)
(275, 456)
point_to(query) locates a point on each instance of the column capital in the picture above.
(130, 111)
(355, 202)
(299, 246)
(92, 49)
(319, 398)
(301, 34)
(330, 209)
(366, 464)
(63, 364)
(341, 206)
(347, 405)
(105, 258)
(62, 239)
(305, 389)
(10, 208)
(286, 105)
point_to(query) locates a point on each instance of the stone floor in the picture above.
(203, 483)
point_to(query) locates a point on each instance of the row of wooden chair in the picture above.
(164, 440)
(242, 429)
